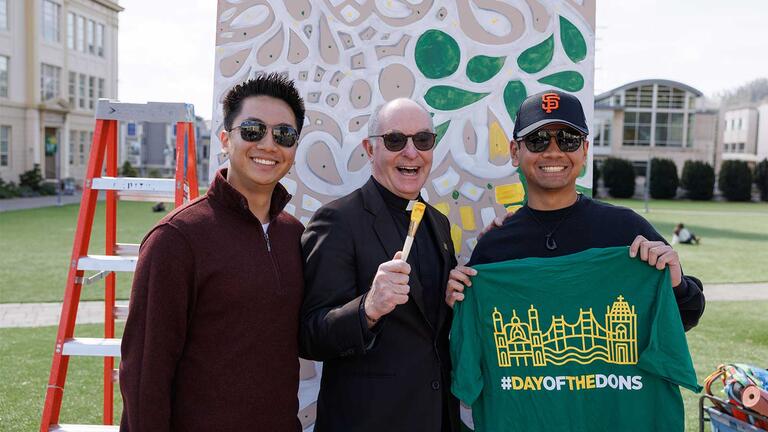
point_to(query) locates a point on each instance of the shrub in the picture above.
(154, 173)
(48, 188)
(761, 179)
(619, 177)
(735, 181)
(698, 180)
(127, 170)
(8, 190)
(31, 179)
(664, 179)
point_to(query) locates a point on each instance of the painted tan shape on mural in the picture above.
(346, 40)
(396, 81)
(475, 30)
(418, 12)
(332, 99)
(299, 9)
(318, 121)
(587, 11)
(336, 78)
(540, 15)
(397, 49)
(303, 75)
(442, 13)
(355, 123)
(469, 137)
(368, 33)
(313, 97)
(329, 50)
(319, 74)
(229, 66)
(297, 49)
(351, 12)
(321, 162)
(357, 61)
(239, 27)
(272, 48)
(498, 142)
(357, 159)
(360, 94)
(307, 31)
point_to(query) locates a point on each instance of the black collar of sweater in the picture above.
(393, 201)
(225, 194)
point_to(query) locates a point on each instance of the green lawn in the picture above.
(720, 338)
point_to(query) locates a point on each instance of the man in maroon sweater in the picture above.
(211, 338)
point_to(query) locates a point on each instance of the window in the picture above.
(49, 81)
(677, 99)
(72, 89)
(81, 91)
(5, 144)
(739, 123)
(607, 134)
(91, 91)
(741, 147)
(131, 129)
(689, 137)
(100, 40)
(71, 31)
(83, 139)
(89, 37)
(72, 138)
(50, 27)
(101, 88)
(637, 128)
(639, 97)
(3, 14)
(80, 36)
(669, 129)
(4, 76)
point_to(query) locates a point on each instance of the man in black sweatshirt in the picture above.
(549, 148)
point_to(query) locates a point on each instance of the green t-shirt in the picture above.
(585, 342)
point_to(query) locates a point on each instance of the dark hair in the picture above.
(274, 85)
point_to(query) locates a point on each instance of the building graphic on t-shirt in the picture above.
(585, 341)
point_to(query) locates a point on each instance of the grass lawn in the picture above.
(720, 338)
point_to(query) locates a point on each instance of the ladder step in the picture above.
(135, 184)
(120, 312)
(83, 428)
(146, 197)
(107, 262)
(96, 347)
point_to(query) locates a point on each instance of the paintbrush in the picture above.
(417, 213)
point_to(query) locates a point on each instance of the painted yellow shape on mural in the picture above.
(513, 208)
(498, 142)
(443, 208)
(456, 236)
(467, 218)
(522, 341)
(510, 193)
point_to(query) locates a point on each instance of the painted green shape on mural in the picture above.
(572, 40)
(482, 68)
(440, 131)
(437, 54)
(571, 81)
(514, 94)
(449, 98)
(537, 57)
(583, 171)
(587, 192)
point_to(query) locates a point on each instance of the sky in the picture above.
(166, 47)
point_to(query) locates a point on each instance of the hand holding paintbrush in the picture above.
(417, 213)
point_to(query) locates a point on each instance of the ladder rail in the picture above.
(110, 248)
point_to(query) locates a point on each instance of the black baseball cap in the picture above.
(547, 107)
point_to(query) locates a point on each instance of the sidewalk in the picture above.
(37, 202)
(90, 312)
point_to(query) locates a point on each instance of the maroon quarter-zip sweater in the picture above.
(211, 338)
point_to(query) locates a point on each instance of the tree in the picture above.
(127, 170)
(698, 180)
(31, 179)
(664, 180)
(761, 179)
(735, 181)
(619, 177)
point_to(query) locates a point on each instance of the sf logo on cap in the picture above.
(550, 102)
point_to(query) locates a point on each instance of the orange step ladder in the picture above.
(117, 256)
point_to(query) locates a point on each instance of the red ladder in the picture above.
(117, 256)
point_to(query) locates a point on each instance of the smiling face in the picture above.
(551, 173)
(258, 166)
(403, 172)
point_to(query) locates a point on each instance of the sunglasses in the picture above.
(254, 130)
(396, 141)
(567, 141)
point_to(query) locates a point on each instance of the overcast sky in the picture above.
(166, 47)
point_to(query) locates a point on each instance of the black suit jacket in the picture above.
(395, 376)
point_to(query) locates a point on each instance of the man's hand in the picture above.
(660, 255)
(457, 279)
(389, 289)
(497, 222)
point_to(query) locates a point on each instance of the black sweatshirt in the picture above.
(585, 225)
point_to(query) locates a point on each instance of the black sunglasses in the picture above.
(396, 141)
(567, 140)
(255, 130)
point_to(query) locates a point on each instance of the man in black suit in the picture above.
(379, 323)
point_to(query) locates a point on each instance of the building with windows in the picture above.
(745, 133)
(57, 58)
(654, 119)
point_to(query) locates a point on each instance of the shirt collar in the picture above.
(393, 201)
(225, 194)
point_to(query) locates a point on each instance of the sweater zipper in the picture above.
(275, 268)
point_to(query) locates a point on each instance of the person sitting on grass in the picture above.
(683, 236)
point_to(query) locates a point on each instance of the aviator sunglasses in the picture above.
(567, 141)
(254, 130)
(396, 141)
